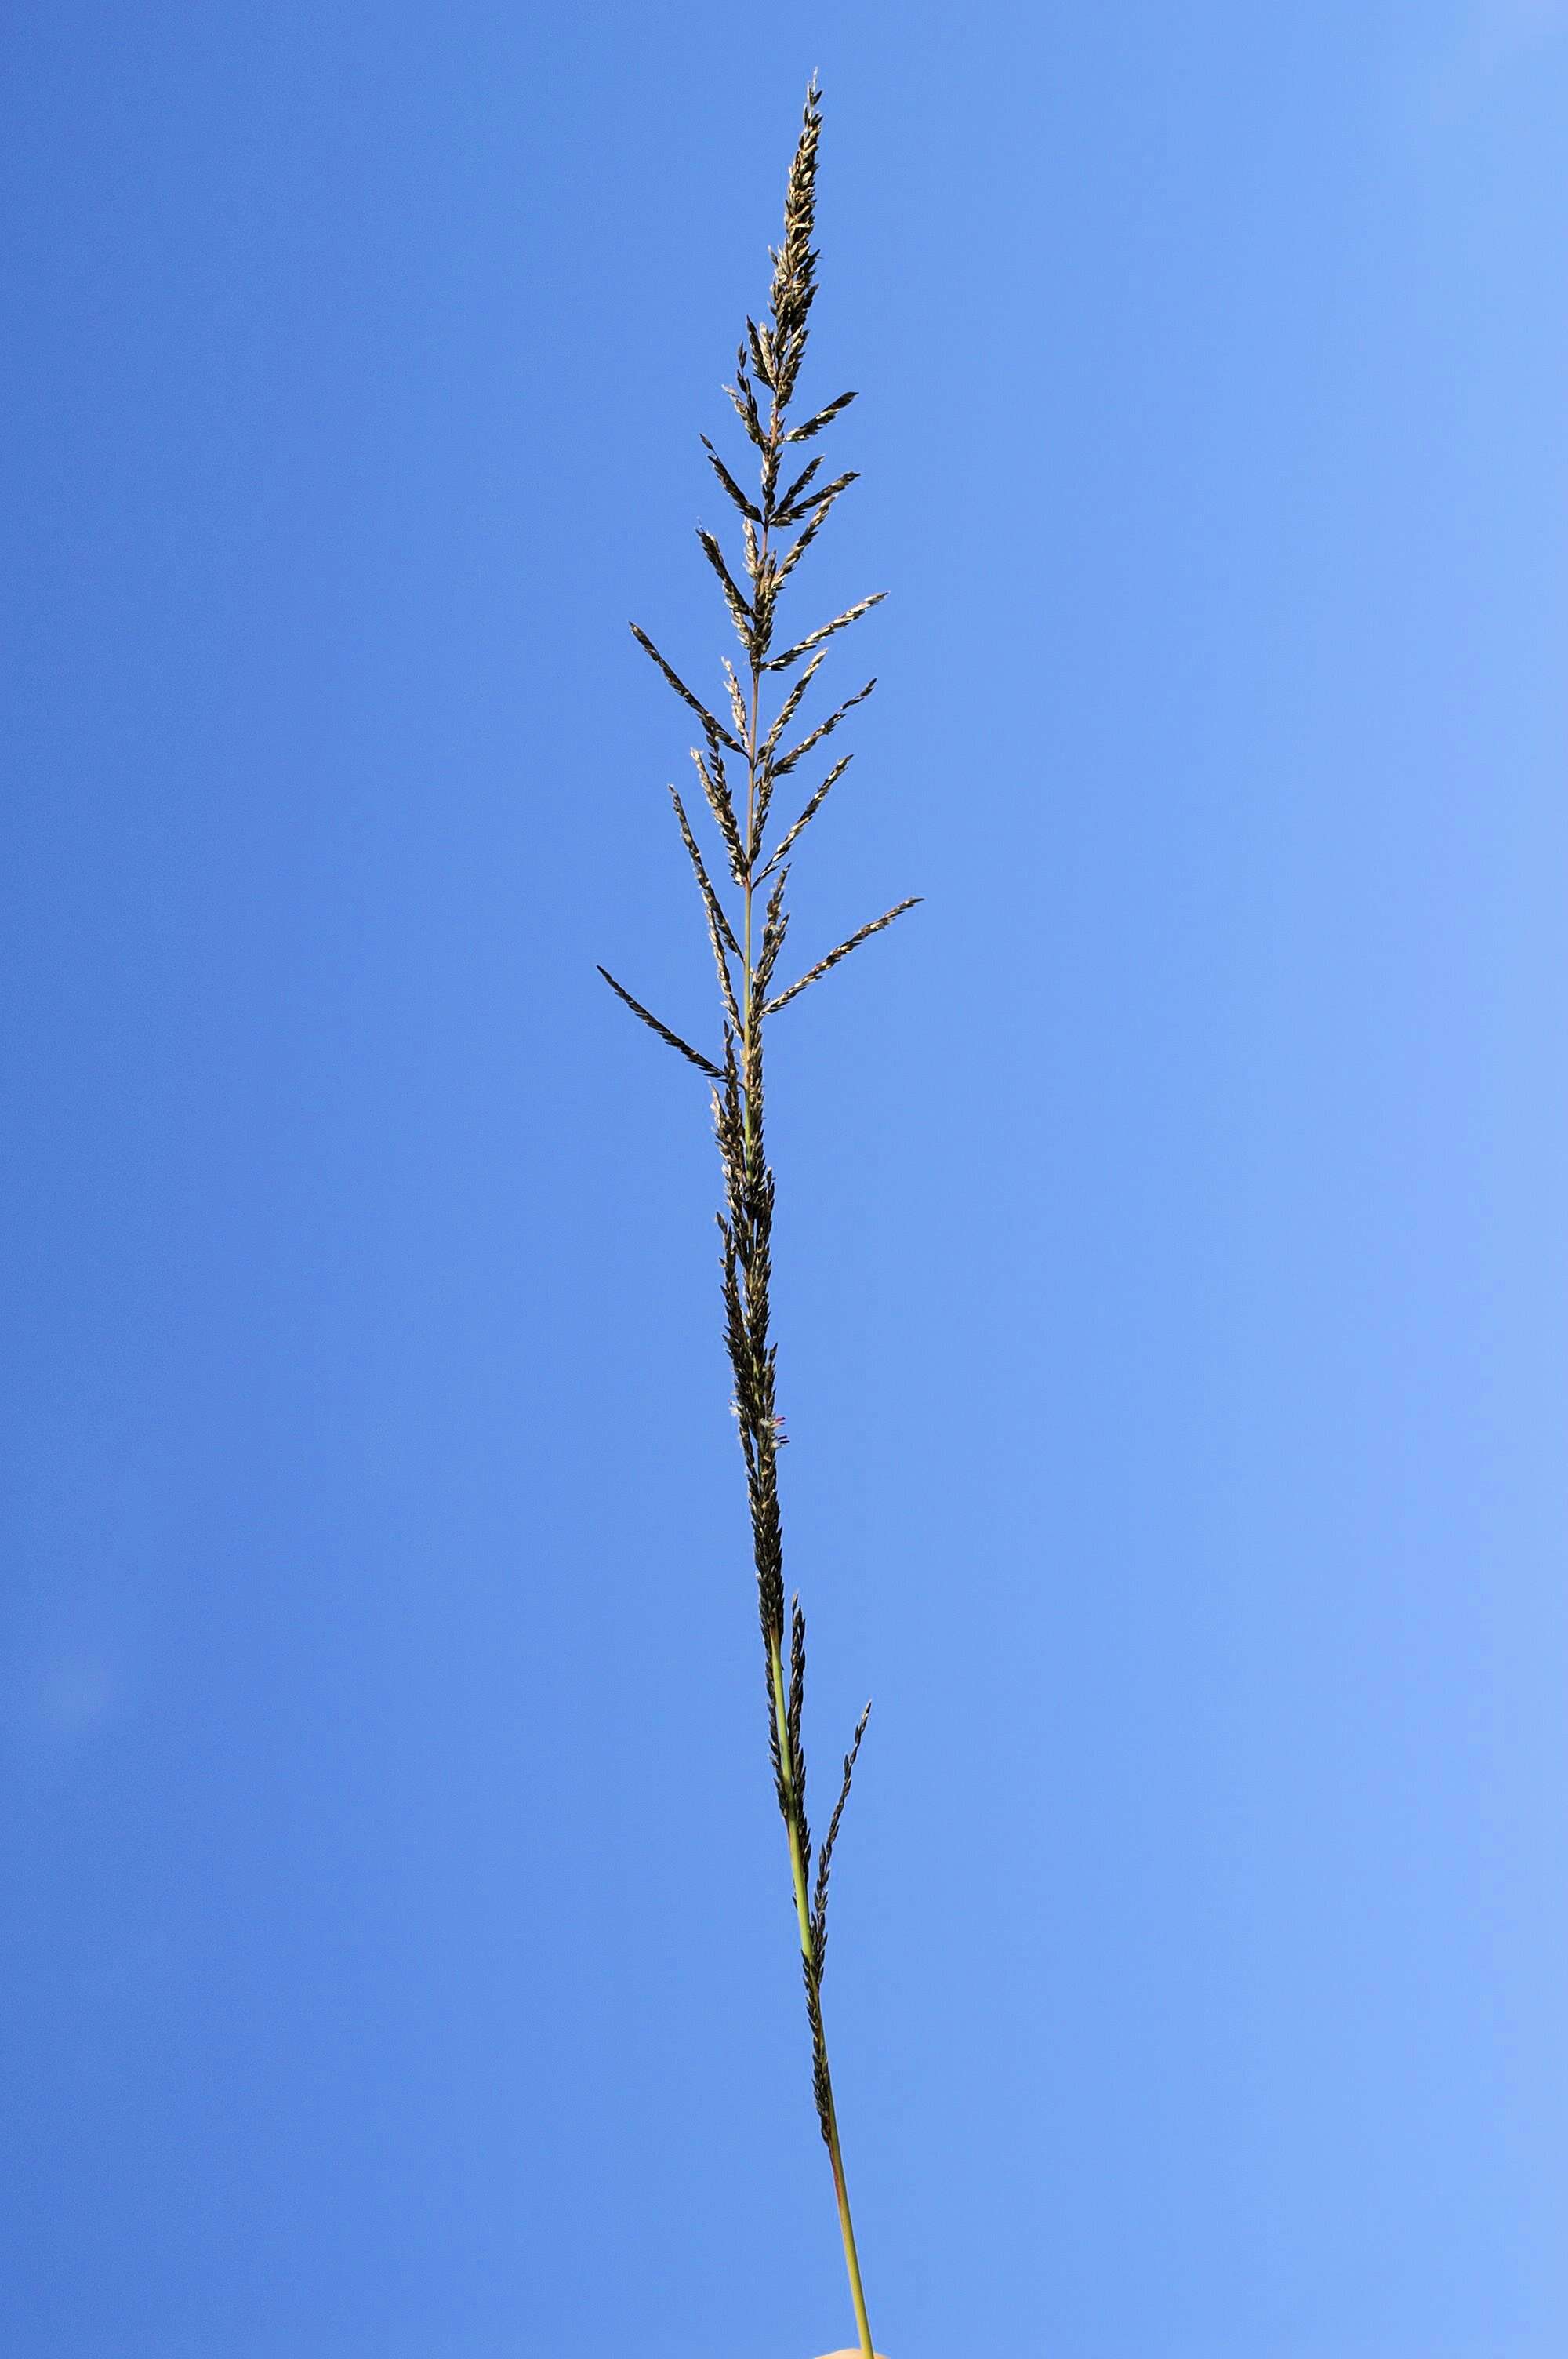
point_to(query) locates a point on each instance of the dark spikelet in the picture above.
(814, 426)
(793, 834)
(720, 933)
(796, 1689)
(737, 703)
(740, 611)
(725, 981)
(757, 341)
(747, 507)
(820, 501)
(790, 498)
(775, 926)
(745, 402)
(715, 907)
(821, 2079)
(815, 638)
(825, 965)
(693, 1056)
(721, 802)
(825, 1862)
(681, 690)
(786, 761)
(818, 518)
(792, 1729)
(760, 805)
(791, 706)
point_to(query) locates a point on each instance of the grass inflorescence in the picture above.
(743, 759)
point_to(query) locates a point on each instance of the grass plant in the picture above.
(745, 756)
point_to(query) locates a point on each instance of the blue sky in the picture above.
(1172, 1286)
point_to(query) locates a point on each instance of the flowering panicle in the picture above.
(746, 940)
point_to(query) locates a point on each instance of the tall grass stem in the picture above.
(746, 953)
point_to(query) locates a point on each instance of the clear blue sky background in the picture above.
(397, 1941)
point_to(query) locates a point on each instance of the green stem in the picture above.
(808, 1952)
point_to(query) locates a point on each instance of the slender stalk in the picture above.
(809, 1955)
(746, 958)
